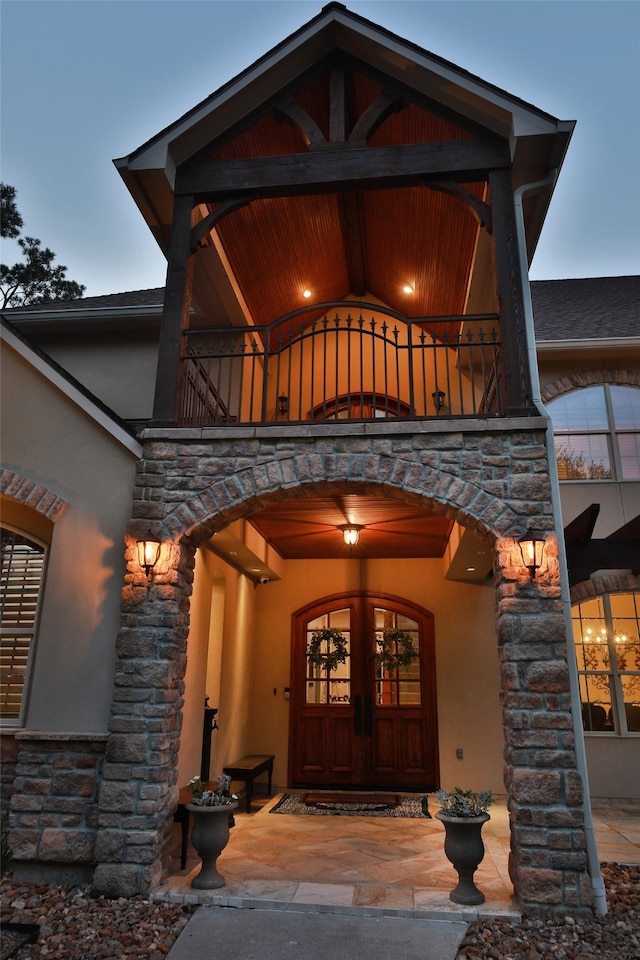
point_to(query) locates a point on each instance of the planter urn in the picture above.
(464, 848)
(209, 836)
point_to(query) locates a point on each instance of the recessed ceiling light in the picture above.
(306, 294)
(409, 288)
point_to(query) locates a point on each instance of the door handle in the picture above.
(368, 715)
(357, 715)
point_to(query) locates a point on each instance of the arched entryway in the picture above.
(363, 722)
(232, 480)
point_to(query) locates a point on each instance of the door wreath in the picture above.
(336, 643)
(396, 649)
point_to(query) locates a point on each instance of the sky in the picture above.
(83, 82)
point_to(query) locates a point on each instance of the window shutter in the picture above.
(20, 585)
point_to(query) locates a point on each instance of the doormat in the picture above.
(353, 805)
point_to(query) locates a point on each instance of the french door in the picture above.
(364, 724)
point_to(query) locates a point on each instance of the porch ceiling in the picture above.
(337, 239)
(309, 529)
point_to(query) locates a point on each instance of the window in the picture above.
(605, 633)
(597, 433)
(20, 588)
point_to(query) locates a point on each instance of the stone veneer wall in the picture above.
(490, 475)
(8, 761)
(54, 809)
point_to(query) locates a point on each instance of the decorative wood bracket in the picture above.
(206, 225)
(480, 209)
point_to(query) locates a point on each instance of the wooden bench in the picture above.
(250, 767)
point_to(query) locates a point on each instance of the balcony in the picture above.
(342, 361)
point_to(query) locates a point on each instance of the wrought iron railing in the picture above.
(330, 362)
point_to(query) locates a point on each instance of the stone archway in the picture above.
(494, 480)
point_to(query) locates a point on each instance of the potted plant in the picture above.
(463, 813)
(211, 811)
(396, 648)
(327, 648)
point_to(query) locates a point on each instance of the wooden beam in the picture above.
(517, 375)
(583, 559)
(176, 303)
(354, 244)
(205, 226)
(337, 114)
(480, 210)
(373, 116)
(306, 125)
(581, 527)
(341, 168)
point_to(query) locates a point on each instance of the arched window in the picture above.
(597, 433)
(20, 590)
(606, 635)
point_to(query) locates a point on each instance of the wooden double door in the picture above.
(362, 724)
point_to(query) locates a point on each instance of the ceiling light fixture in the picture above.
(351, 533)
(409, 288)
(306, 294)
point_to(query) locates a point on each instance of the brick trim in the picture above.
(611, 582)
(589, 378)
(31, 494)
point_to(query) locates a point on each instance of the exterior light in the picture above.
(438, 397)
(532, 548)
(351, 533)
(283, 404)
(148, 553)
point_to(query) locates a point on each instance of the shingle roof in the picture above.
(591, 309)
(109, 301)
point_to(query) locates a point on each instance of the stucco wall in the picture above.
(256, 661)
(50, 441)
(118, 369)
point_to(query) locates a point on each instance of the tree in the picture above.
(36, 280)
(10, 219)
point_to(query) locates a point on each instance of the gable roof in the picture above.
(338, 155)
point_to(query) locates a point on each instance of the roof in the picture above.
(372, 151)
(594, 308)
(152, 297)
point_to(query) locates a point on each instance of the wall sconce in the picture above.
(532, 549)
(351, 533)
(438, 397)
(283, 404)
(148, 553)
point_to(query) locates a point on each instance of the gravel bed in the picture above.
(75, 926)
(615, 936)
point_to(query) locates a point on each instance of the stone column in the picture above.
(138, 793)
(548, 862)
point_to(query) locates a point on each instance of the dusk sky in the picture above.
(88, 81)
